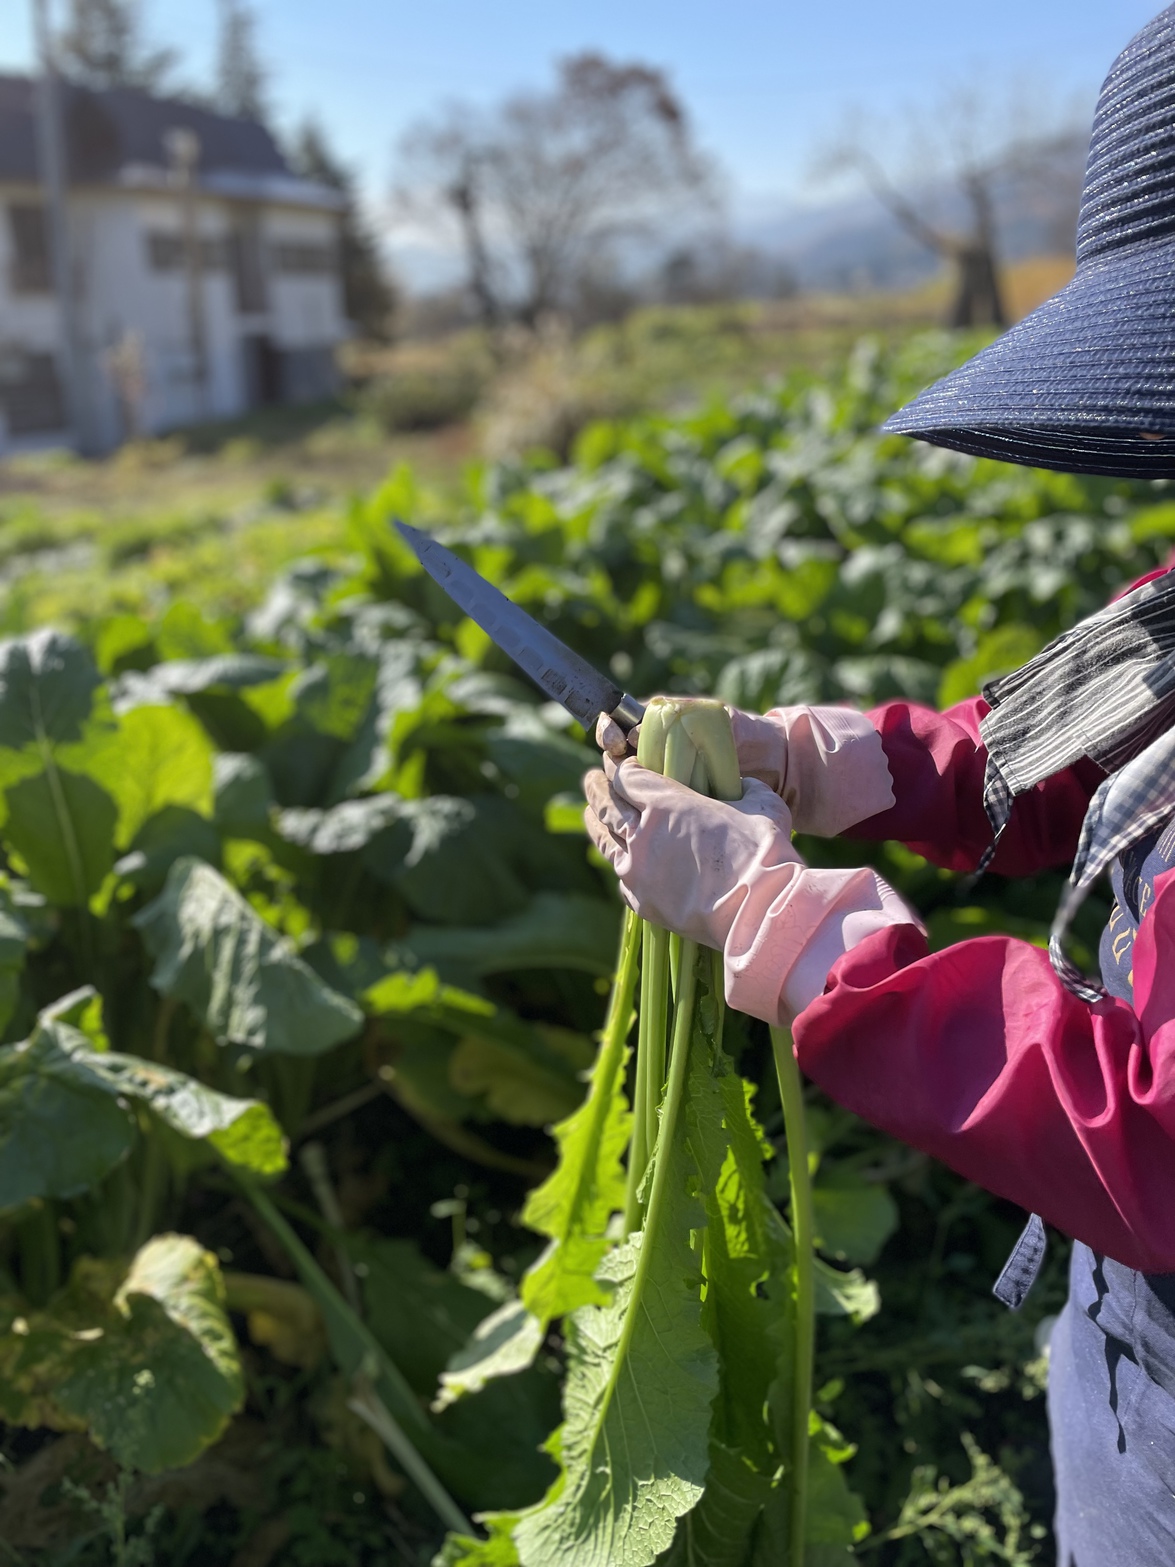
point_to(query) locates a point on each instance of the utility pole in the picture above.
(51, 147)
(183, 148)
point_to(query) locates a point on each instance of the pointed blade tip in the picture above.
(562, 675)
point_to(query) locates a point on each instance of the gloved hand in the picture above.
(685, 861)
(826, 763)
(726, 875)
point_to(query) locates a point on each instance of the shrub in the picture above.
(426, 392)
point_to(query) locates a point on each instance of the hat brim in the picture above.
(1085, 384)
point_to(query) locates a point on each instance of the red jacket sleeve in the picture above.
(937, 762)
(979, 1056)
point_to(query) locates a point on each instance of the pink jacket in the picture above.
(977, 1054)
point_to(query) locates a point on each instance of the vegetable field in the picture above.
(313, 1126)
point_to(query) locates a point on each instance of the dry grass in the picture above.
(1029, 283)
(320, 460)
(1026, 284)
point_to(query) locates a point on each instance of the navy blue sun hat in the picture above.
(1086, 383)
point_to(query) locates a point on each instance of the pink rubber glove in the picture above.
(826, 763)
(726, 875)
(682, 858)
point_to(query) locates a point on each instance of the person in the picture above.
(997, 1057)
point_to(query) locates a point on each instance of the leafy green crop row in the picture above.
(314, 881)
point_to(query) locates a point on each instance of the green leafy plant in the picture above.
(317, 872)
(110, 1513)
(983, 1517)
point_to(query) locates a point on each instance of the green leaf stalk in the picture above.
(803, 1321)
(383, 1397)
(668, 1449)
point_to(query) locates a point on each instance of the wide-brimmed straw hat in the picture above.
(1086, 383)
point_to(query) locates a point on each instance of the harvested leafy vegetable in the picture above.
(689, 1331)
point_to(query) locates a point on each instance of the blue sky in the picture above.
(763, 80)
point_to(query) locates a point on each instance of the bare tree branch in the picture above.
(862, 161)
(965, 152)
(538, 189)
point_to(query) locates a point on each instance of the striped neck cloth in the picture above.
(1104, 690)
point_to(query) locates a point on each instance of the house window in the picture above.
(304, 258)
(167, 252)
(248, 265)
(30, 249)
(30, 393)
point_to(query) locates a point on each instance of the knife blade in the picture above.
(558, 672)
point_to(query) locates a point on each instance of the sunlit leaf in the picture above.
(213, 952)
(634, 1443)
(62, 824)
(574, 1205)
(503, 1344)
(163, 758)
(243, 1131)
(845, 1294)
(748, 1260)
(47, 686)
(143, 1359)
(498, 1550)
(397, 690)
(60, 1130)
(243, 794)
(516, 1088)
(65, 1121)
(854, 1218)
(232, 671)
(343, 829)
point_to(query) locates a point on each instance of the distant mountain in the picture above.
(855, 244)
(847, 245)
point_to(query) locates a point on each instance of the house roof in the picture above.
(117, 136)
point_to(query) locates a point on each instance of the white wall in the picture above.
(306, 311)
(121, 292)
(126, 293)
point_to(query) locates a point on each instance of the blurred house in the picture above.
(205, 273)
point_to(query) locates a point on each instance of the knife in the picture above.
(558, 672)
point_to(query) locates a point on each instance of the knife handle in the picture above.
(628, 712)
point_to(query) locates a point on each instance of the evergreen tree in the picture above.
(240, 75)
(369, 294)
(102, 45)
